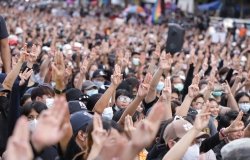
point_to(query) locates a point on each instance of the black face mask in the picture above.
(4, 104)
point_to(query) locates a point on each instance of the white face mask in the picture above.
(92, 92)
(32, 125)
(244, 107)
(179, 86)
(49, 102)
(160, 86)
(136, 61)
(108, 113)
(192, 153)
(99, 83)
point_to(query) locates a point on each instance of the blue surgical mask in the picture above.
(92, 92)
(160, 86)
(217, 93)
(244, 107)
(179, 86)
(136, 61)
(99, 83)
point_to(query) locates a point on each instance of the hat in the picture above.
(13, 40)
(73, 94)
(19, 30)
(237, 149)
(178, 128)
(92, 101)
(88, 84)
(98, 73)
(80, 121)
(75, 106)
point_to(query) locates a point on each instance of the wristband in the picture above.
(58, 91)
(222, 132)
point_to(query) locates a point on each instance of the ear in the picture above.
(39, 99)
(171, 143)
(81, 135)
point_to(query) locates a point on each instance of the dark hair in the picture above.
(239, 95)
(174, 90)
(174, 105)
(24, 99)
(41, 90)
(36, 105)
(122, 92)
(118, 114)
(198, 96)
(212, 99)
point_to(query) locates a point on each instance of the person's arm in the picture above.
(44, 68)
(165, 65)
(188, 80)
(231, 102)
(83, 71)
(165, 99)
(193, 91)
(142, 92)
(179, 149)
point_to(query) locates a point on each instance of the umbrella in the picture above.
(134, 10)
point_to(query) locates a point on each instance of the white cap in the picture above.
(19, 30)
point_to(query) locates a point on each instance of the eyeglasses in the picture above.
(124, 99)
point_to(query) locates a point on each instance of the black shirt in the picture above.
(3, 29)
(72, 151)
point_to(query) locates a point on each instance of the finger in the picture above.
(131, 123)
(25, 71)
(54, 68)
(239, 117)
(21, 129)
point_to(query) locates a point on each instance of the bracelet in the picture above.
(222, 132)
(58, 91)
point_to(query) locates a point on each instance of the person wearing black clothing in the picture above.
(4, 46)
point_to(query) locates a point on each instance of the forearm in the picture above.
(231, 102)
(183, 109)
(206, 94)
(5, 55)
(103, 102)
(197, 67)
(44, 68)
(152, 93)
(167, 105)
(179, 149)
(80, 81)
(94, 152)
(130, 110)
(235, 86)
(11, 77)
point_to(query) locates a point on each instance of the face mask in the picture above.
(49, 102)
(53, 84)
(99, 83)
(217, 93)
(32, 125)
(136, 61)
(192, 152)
(92, 92)
(160, 86)
(108, 113)
(179, 86)
(244, 107)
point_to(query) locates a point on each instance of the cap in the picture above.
(237, 149)
(92, 101)
(99, 73)
(80, 121)
(19, 30)
(178, 128)
(76, 106)
(73, 94)
(13, 40)
(88, 84)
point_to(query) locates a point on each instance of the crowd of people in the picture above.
(98, 88)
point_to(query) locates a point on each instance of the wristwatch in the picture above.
(59, 91)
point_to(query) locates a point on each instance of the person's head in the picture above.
(115, 142)
(43, 94)
(226, 120)
(198, 102)
(214, 107)
(73, 94)
(99, 77)
(243, 100)
(176, 130)
(135, 59)
(75, 78)
(92, 69)
(122, 98)
(79, 122)
(26, 98)
(177, 83)
(175, 95)
(89, 88)
(32, 110)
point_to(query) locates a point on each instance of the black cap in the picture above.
(73, 94)
(80, 120)
(76, 106)
(99, 73)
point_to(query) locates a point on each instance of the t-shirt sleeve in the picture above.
(3, 29)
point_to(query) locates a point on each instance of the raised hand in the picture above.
(202, 119)
(18, 147)
(99, 135)
(33, 54)
(84, 66)
(236, 125)
(147, 129)
(196, 80)
(25, 76)
(144, 87)
(116, 78)
(193, 91)
(167, 91)
(166, 61)
(58, 70)
(129, 125)
(50, 127)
